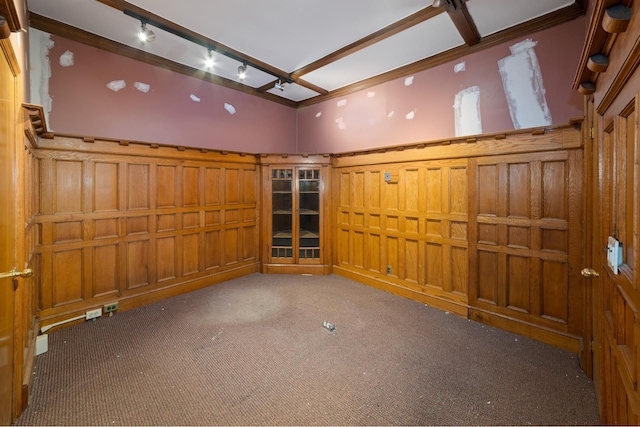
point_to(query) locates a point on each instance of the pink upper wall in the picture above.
(392, 113)
(377, 117)
(82, 104)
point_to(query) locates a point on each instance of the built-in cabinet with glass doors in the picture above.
(295, 211)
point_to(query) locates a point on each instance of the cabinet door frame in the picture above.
(296, 264)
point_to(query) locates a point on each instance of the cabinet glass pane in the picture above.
(309, 213)
(282, 213)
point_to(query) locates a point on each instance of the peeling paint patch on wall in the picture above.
(523, 86)
(466, 108)
(230, 108)
(371, 94)
(318, 114)
(341, 103)
(391, 113)
(116, 85)
(142, 87)
(408, 81)
(40, 69)
(194, 98)
(66, 59)
(461, 66)
(341, 124)
(410, 115)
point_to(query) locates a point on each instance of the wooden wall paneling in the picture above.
(402, 230)
(148, 226)
(578, 295)
(67, 277)
(527, 255)
(341, 243)
(138, 186)
(68, 182)
(166, 258)
(498, 230)
(27, 207)
(265, 214)
(190, 253)
(105, 270)
(521, 141)
(213, 250)
(166, 176)
(137, 259)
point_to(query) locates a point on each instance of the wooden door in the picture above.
(616, 296)
(7, 239)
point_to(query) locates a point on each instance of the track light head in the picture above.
(208, 63)
(242, 71)
(279, 86)
(145, 34)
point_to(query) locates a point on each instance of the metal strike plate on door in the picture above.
(27, 272)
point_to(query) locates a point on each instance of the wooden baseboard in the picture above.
(153, 295)
(431, 300)
(322, 269)
(543, 334)
(563, 340)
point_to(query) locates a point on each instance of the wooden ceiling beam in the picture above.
(388, 31)
(538, 24)
(459, 14)
(51, 26)
(180, 31)
(554, 18)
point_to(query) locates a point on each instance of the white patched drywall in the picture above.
(40, 70)
(466, 109)
(523, 86)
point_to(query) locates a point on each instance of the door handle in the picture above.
(589, 273)
(27, 272)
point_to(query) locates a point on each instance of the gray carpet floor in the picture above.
(253, 351)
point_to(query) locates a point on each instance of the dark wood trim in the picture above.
(72, 33)
(194, 37)
(596, 41)
(459, 14)
(5, 31)
(36, 117)
(10, 55)
(388, 31)
(622, 77)
(541, 23)
(8, 10)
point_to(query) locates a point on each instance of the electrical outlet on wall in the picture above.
(108, 308)
(92, 314)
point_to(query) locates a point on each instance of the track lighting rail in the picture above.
(212, 45)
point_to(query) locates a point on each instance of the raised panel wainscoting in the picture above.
(488, 228)
(137, 223)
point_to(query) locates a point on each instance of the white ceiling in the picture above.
(290, 34)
